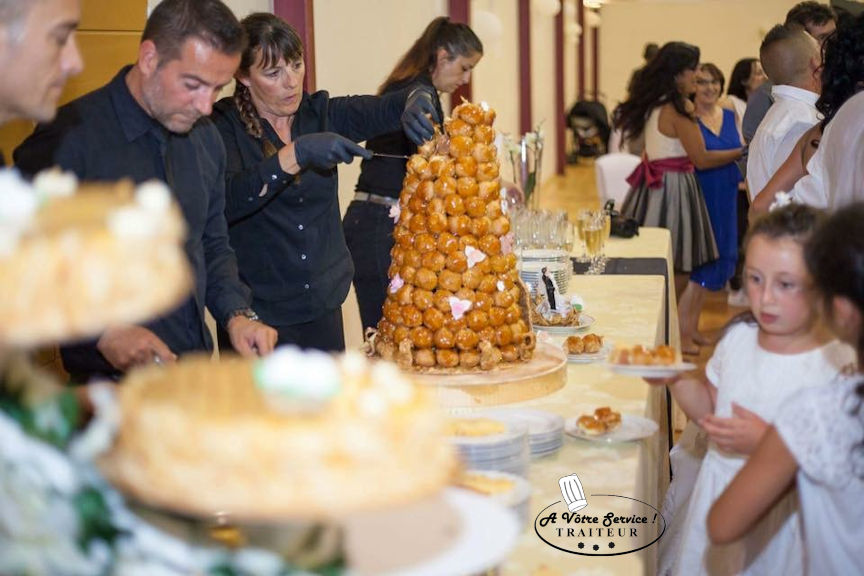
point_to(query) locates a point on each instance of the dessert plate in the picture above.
(631, 428)
(598, 356)
(651, 370)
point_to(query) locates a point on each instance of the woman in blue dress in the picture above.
(720, 190)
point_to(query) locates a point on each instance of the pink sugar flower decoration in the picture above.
(473, 256)
(396, 283)
(458, 307)
(507, 244)
(395, 212)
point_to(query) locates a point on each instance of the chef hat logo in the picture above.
(571, 489)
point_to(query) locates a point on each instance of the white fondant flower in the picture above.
(153, 196)
(458, 307)
(500, 285)
(396, 283)
(473, 256)
(780, 200)
(55, 182)
(395, 212)
(304, 376)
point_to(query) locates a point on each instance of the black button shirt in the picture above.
(104, 136)
(287, 231)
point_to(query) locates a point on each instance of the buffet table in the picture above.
(628, 309)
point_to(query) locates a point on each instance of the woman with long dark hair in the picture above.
(746, 77)
(281, 187)
(441, 59)
(664, 190)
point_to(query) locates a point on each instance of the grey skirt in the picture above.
(680, 208)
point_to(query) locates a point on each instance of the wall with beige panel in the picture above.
(725, 31)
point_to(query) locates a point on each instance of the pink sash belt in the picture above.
(651, 171)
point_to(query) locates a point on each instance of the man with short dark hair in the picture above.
(791, 59)
(37, 55)
(151, 121)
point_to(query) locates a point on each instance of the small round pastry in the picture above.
(593, 343)
(487, 334)
(397, 256)
(441, 166)
(454, 205)
(418, 166)
(640, 355)
(509, 353)
(475, 207)
(497, 316)
(488, 284)
(447, 243)
(459, 225)
(425, 242)
(424, 357)
(433, 318)
(471, 278)
(457, 262)
(436, 206)
(498, 263)
(511, 264)
(591, 426)
(449, 280)
(503, 335)
(608, 416)
(500, 226)
(411, 316)
(443, 187)
(483, 152)
(513, 313)
(447, 358)
(421, 337)
(493, 208)
(386, 328)
(426, 190)
(519, 327)
(470, 113)
(477, 320)
(455, 325)
(392, 312)
(483, 301)
(484, 134)
(490, 356)
(418, 223)
(461, 146)
(490, 244)
(467, 294)
(442, 301)
(489, 190)
(465, 167)
(487, 171)
(466, 339)
(502, 299)
(410, 183)
(480, 226)
(427, 149)
(436, 222)
(665, 355)
(574, 345)
(401, 333)
(469, 359)
(403, 237)
(467, 187)
(426, 279)
(444, 338)
(434, 261)
(405, 295)
(458, 127)
(416, 204)
(489, 116)
(413, 258)
(468, 240)
(423, 299)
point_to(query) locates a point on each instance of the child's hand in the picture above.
(739, 434)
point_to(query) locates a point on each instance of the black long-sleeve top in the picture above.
(106, 135)
(287, 231)
(381, 175)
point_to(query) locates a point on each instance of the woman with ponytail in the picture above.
(440, 60)
(281, 183)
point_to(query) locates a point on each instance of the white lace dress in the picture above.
(822, 430)
(759, 381)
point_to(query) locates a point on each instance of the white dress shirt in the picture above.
(792, 114)
(835, 173)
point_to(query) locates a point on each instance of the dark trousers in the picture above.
(325, 333)
(743, 208)
(369, 235)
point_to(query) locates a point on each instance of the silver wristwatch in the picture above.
(247, 312)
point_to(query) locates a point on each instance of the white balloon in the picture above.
(547, 8)
(487, 26)
(592, 19)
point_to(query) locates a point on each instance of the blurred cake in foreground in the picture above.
(75, 259)
(293, 436)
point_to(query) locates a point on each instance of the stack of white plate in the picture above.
(517, 498)
(504, 452)
(545, 430)
(557, 263)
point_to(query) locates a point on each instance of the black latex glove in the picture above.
(326, 149)
(415, 122)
